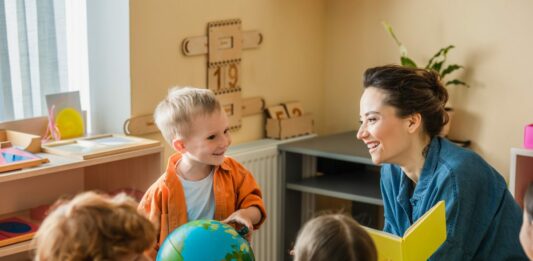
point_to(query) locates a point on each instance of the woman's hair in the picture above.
(528, 201)
(94, 227)
(173, 115)
(412, 90)
(334, 237)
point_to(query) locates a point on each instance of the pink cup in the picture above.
(528, 136)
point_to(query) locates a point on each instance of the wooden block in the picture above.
(224, 41)
(197, 45)
(28, 142)
(291, 127)
(231, 102)
(277, 112)
(140, 125)
(224, 77)
(294, 109)
(251, 106)
(5, 144)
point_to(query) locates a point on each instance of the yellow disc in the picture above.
(70, 123)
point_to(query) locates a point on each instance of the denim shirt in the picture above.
(482, 219)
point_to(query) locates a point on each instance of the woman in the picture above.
(402, 113)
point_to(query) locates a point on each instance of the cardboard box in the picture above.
(291, 127)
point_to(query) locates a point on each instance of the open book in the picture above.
(419, 242)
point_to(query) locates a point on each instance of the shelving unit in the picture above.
(21, 190)
(521, 172)
(337, 166)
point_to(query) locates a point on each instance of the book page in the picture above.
(426, 235)
(388, 246)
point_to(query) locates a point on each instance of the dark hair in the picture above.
(412, 90)
(528, 201)
(334, 237)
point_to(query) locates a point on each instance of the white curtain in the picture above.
(43, 50)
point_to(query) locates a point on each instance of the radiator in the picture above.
(262, 159)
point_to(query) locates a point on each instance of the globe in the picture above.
(205, 240)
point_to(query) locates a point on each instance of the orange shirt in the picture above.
(234, 188)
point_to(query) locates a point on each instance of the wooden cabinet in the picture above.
(22, 190)
(337, 166)
(521, 172)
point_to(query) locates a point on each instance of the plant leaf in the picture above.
(407, 62)
(388, 28)
(456, 82)
(442, 53)
(437, 66)
(451, 68)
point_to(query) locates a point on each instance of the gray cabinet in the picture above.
(337, 166)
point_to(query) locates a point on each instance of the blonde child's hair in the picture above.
(334, 237)
(174, 114)
(94, 227)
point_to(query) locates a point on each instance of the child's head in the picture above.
(95, 227)
(174, 114)
(334, 237)
(526, 233)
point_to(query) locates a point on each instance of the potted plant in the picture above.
(437, 63)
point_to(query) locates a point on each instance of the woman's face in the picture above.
(385, 134)
(526, 235)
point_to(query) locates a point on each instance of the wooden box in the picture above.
(28, 142)
(290, 127)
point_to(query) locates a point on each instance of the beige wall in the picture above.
(287, 66)
(493, 40)
(316, 51)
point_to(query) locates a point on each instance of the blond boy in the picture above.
(199, 182)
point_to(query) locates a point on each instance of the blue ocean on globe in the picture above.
(205, 240)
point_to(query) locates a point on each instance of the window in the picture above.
(43, 50)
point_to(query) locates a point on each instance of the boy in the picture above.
(200, 182)
(95, 227)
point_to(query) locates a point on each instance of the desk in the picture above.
(337, 166)
(24, 189)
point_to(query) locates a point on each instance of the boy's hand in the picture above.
(245, 217)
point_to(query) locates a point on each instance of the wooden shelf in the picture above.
(360, 187)
(31, 187)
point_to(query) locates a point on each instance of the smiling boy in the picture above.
(200, 182)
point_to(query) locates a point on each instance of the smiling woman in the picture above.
(43, 50)
(402, 113)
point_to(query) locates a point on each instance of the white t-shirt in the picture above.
(199, 197)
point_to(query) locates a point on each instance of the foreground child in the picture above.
(95, 227)
(526, 233)
(199, 182)
(334, 237)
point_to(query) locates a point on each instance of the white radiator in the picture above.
(262, 159)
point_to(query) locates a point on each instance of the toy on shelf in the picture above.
(15, 229)
(16, 150)
(288, 120)
(98, 146)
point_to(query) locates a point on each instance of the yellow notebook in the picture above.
(419, 242)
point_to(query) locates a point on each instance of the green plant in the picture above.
(436, 63)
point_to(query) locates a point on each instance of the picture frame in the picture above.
(14, 230)
(12, 158)
(98, 146)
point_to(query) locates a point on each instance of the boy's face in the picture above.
(526, 235)
(208, 139)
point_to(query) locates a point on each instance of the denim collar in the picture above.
(404, 199)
